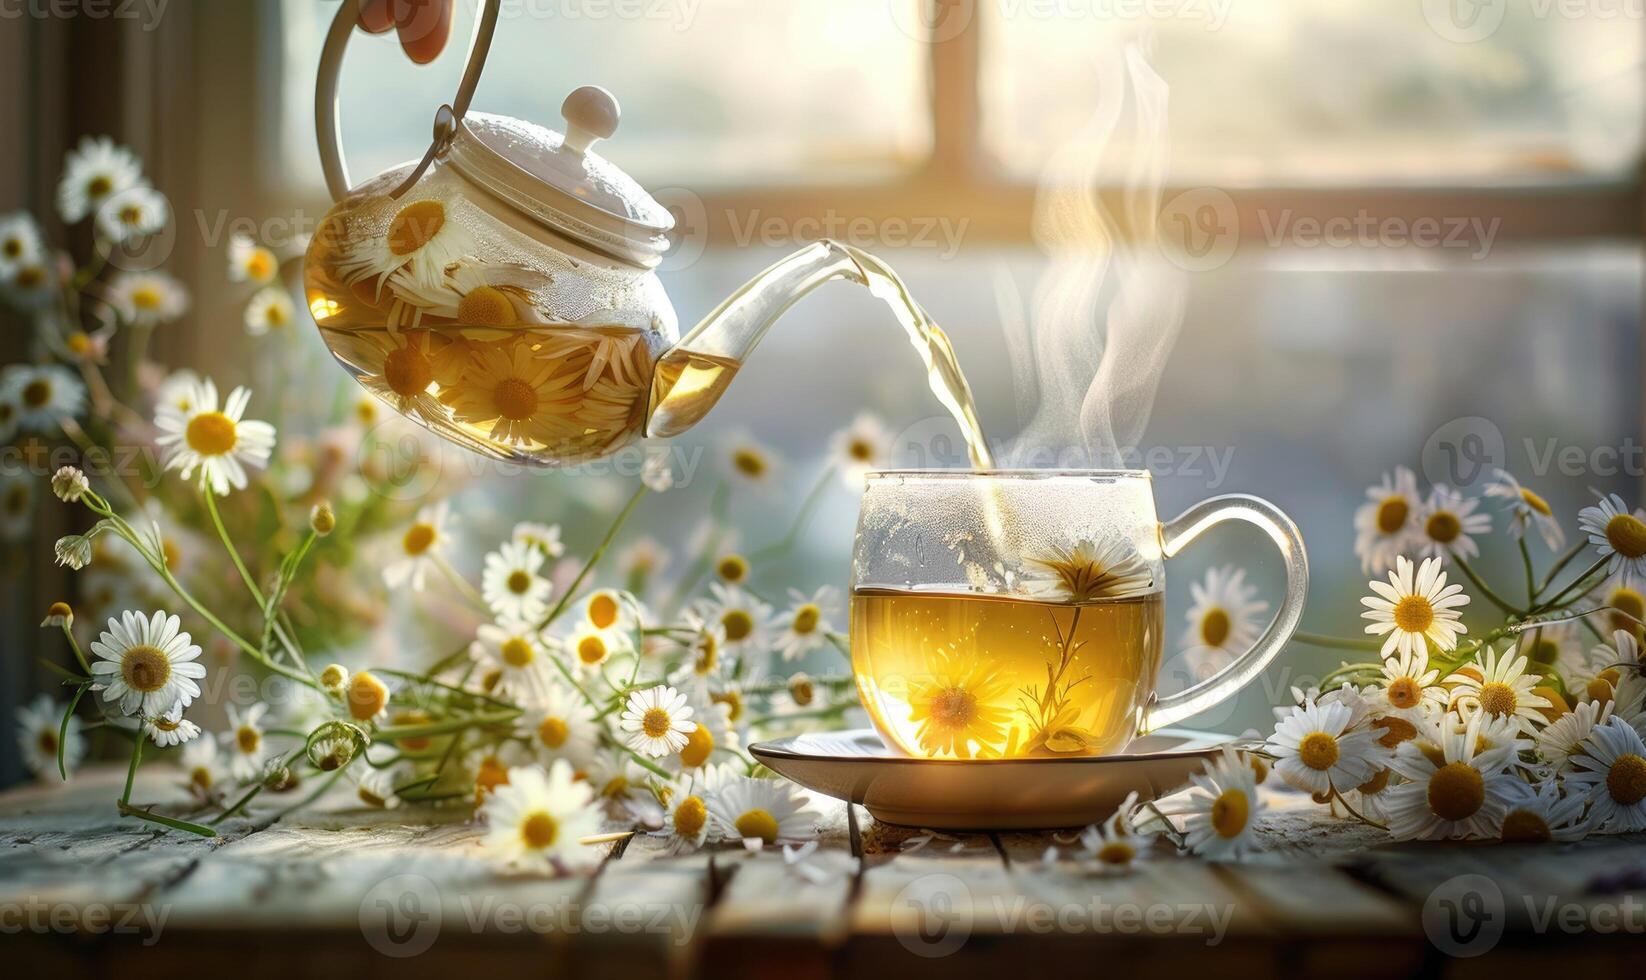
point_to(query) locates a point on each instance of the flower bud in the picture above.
(60, 614)
(334, 679)
(322, 519)
(69, 484)
(74, 551)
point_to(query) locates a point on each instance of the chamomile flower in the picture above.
(1449, 522)
(685, 822)
(219, 443)
(1114, 846)
(744, 621)
(1087, 570)
(245, 742)
(20, 241)
(472, 293)
(538, 819)
(133, 213)
(251, 262)
(1499, 687)
(658, 721)
(609, 609)
(543, 537)
(711, 731)
(1386, 525)
(806, 625)
(763, 810)
(1563, 738)
(269, 309)
(94, 172)
(375, 787)
(420, 547)
(45, 395)
(334, 679)
(510, 582)
(1594, 676)
(367, 697)
(592, 649)
(1406, 611)
(146, 666)
(147, 299)
(657, 473)
(622, 789)
(1314, 751)
(1409, 687)
(563, 726)
(202, 768)
(1223, 620)
(33, 284)
(750, 463)
(512, 390)
(1527, 509)
(962, 707)
(1455, 787)
(1610, 773)
(863, 446)
(40, 734)
(1618, 533)
(511, 650)
(421, 238)
(1542, 815)
(17, 495)
(705, 659)
(1224, 808)
(171, 728)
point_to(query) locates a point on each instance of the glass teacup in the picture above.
(1010, 614)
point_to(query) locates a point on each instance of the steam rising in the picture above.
(1086, 388)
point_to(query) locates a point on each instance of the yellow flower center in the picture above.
(514, 399)
(419, 538)
(953, 707)
(248, 738)
(1627, 535)
(1318, 751)
(1536, 502)
(732, 700)
(1395, 730)
(13, 247)
(79, 343)
(615, 787)
(1392, 514)
(211, 434)
(806, 619)
(367, 696)
(699, 746)
(1630, 606)
(260, 265)
(46, 742)
(146, 298)
(99, 186)
(1544, 652)
(603, 611)
(591, 649)
(200, 777)
(655, 723)
(1525, 827)
(145, 668)
(1443, 527)
(516, 652)
(757, 823)
(407, 371)
(1116, 853)
(738, 624)
(490, 774)
(1377, 784)
(486, 306)
(749, 462)
(553, 732)
(131, 215)
(690, 816)
(1599, 689)
(860, 450)
(708, 654)
(1456, 791)
(275, 314)
(520, 581)
(165, 724)
(1403, 692)
(539, 831)
(37, 393)
(1626, 780)
(1229, 813)
(1498, 699)
(733, 568)
(802, 691)
(1413, 614)
(415, 226)
(1214, 627)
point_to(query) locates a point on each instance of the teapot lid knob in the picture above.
(591, 115)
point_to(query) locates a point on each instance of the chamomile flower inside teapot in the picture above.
(501, 290)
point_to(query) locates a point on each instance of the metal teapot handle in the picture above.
(328, 123)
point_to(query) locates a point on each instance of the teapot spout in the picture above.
(691, 377)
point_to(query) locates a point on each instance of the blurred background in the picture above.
(1404, 227)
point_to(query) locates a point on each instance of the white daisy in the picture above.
(1526, 508)
(1387, 524)
(1409, 611)
(33, 285)
(45, 396)
(609, 609)
(1314, 751)
(472, 293)
(657, 473)
(177, 392)
(806, 625)
(95, 171)
(685, 822)
(512, 650)
(592, 649)
(763, 810)
(1448, 522)
(245, 743)
(148, 666)
(147, 299)
(623, 789)
(1611, 774)
(510, 583)
(543, 537)
(1563, 738)
(39, 730)
(1542, 814)
(1594, 676)
(1223, 619)
(17, 495)
(1114, 846)
(421, 237)
(269, 309)
(705, 659)
(421, 547)
(133, 213)
(1618, 533)
(1224, 809)
(1454, 788)
(376, 787)
(711, 731)
(563, 726)
(218, 443)
(1410, 688)
(538, 820)
(1499, 688)
(202, 768)
(658, 721)
(744, 621)
(861, 447)
(20, 241)
(1085, 571)
(171, 728)
(251, 262)
(750, 463)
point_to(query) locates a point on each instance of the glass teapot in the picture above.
(501, 290)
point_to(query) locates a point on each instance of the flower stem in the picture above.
(1555, 603)
(131, 771)
(63, 734)
(1560, 565)
(462, 585)
(594, 559)
(395, 733)
(1485, 589)
(1526, 563)
(164, 821)
(74, 645)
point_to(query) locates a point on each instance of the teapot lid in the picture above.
(560, 181)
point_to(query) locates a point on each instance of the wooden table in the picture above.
(335, 889)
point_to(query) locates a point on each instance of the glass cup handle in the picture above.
(1169, 710)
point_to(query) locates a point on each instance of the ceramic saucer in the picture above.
(989, 794)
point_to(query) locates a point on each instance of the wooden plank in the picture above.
(781, 913)
(643, 915)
